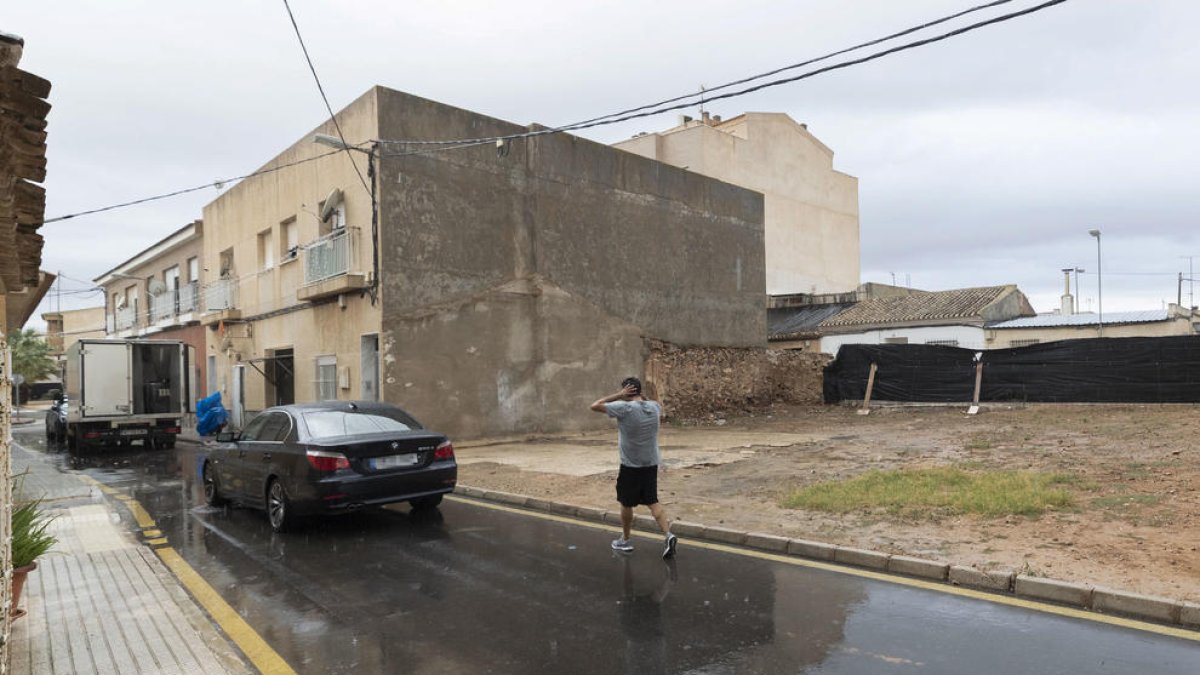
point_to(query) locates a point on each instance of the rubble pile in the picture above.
(700, 382)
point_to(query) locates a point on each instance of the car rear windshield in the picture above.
(331, 423)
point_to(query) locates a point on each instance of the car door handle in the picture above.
(266, 456)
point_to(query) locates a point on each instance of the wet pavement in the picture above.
(470, 588)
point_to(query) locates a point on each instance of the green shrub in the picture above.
(30, 533)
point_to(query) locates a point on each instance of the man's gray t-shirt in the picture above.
(637, 427)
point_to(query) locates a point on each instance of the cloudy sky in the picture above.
(981, 160)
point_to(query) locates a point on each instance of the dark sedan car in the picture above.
(330, 457)
(56, 420)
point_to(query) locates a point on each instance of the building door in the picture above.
(237, 410)
(369, 350)
(281, 377)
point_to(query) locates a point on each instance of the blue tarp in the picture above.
(210, 415)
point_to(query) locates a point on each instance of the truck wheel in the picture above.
(279, 507)
(212, 493)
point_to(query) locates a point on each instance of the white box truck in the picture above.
(122, 391)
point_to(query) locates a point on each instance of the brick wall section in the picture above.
(695, 382)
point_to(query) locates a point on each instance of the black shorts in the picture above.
(637, 485)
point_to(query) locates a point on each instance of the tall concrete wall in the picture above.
(517, 285)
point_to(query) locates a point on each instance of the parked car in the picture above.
(56, 420)
(330, 457)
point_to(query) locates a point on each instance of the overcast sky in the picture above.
(981, 160)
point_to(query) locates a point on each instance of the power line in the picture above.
(643, 112)
(313, 70)
(215, 184)
(707, 90)
(633, 113)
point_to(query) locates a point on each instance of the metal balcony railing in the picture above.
(162, 306)
(127, 316)
(187, 298)
(330, 256)
(220, 295)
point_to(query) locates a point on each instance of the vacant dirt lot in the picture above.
(1134, 523)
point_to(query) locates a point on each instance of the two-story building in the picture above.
(157, 294)
(66, 327)
(493, 288)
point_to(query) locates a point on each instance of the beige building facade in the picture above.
(811, 210)
(158, 294)
(289, 312)
(1022, 332)
(65, 328)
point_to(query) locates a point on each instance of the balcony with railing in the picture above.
(220, 301)
(127, 317)
(172, 306)
(186, 302)
(331, 265)
(162, 307)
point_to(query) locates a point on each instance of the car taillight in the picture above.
(171, 430)
(322, 460)
(444, 451)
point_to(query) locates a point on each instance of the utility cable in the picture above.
(633, 113)
(215, 184)
(708, 90)
(468, 142)
(332, 116)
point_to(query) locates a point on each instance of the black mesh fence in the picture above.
(1097, 370)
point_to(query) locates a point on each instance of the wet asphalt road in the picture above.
(469, 589)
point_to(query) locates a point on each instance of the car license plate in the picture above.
(133, 432)
(394, 461)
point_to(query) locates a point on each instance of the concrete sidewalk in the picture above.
(100, 601)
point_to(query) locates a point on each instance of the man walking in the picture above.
(637, 481)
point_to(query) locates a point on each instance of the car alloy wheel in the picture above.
(279, 508)
(212, 496)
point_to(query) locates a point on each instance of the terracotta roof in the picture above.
(934, 306)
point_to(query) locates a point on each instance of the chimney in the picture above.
(705, 118)
(716, 119)
(1068, 302)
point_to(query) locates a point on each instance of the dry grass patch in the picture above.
(940, 491)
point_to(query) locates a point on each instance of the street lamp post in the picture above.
(1099, 287)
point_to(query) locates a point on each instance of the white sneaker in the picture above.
(622, 544)
(669, 549)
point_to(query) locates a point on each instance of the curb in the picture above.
(999, 581)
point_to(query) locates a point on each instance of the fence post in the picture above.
(978, 381)
(866, 404)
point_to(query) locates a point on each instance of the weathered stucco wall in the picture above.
(704, 381)
(524, 357)
(547, 259)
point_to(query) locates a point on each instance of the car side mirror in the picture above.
(227, 437)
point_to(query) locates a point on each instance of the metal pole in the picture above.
(1099, 288)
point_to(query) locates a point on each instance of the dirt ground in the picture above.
(1134, 524)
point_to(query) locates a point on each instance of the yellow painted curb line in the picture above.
(1034, 605)
(261, 655)
(256, 649)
